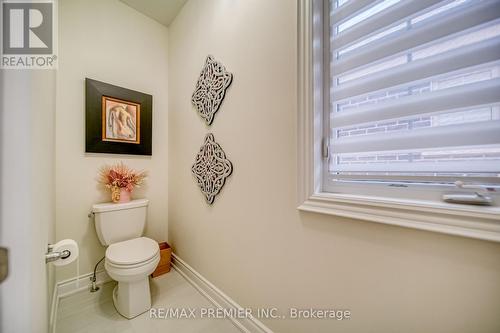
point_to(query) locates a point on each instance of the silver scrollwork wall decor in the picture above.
(210, 89)
(211, 168)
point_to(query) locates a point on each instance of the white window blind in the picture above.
(414, 88)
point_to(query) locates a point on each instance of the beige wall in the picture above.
(254, 244)
(111, 42)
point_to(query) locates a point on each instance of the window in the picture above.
(404, 105)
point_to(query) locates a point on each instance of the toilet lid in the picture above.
(132, 251)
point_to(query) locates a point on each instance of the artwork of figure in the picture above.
(121, 120)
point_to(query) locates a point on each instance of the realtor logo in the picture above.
(28, 34)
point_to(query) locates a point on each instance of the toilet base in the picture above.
(132, 298)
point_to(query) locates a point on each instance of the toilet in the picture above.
(130, 258)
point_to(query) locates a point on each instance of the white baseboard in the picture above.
(79, 283)
(69, 287)
(217, 297)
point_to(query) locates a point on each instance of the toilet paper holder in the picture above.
(53, 256)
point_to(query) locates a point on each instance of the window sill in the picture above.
(462, 220)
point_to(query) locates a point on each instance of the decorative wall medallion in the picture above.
(211, 168)
(211, 88)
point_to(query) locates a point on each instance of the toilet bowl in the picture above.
(130, 258)
(130, 263)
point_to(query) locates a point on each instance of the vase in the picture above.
(125, 195)
(120, 195)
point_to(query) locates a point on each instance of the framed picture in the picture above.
(117, 120)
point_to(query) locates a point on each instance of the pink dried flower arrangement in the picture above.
(120, 176)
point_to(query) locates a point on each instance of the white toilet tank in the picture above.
(116, 222)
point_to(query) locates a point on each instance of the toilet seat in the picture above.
(132, 253)
(129, 266)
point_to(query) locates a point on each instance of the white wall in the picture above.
(254, 244)
(111, 42)
(27, 99)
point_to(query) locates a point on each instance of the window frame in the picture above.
(478, 222)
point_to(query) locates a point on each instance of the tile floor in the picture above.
(86, 312)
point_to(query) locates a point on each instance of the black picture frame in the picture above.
(96, 93)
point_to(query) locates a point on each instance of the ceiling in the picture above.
(163, 11)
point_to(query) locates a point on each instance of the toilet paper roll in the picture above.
(69, 245)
